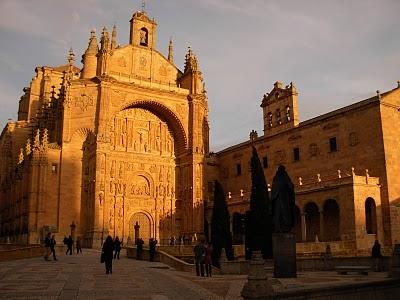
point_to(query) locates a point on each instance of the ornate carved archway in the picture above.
(168, 116)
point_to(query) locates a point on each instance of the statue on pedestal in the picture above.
(283, 201)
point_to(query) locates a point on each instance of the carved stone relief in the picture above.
(83, 102)
(138, 130)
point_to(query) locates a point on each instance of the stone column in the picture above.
(303, 227)
(321, 226)
(257, 285)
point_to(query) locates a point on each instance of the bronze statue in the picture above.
(283, 201)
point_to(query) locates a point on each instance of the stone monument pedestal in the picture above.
(284, 249)
(257, 286)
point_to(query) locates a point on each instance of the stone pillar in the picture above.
(257, 285)
(321, 226)
(303, 227)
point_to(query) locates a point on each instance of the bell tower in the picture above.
(280, 109)
(142, 30)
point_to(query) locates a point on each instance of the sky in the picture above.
(336, 52)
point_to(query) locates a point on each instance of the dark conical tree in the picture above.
(220, 229)
(258, 219)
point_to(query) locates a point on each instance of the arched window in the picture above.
(331, 220)
(278, 116)
(288, 113)
(144, 36)
(312, 221)
(370, 215)
(270, 119)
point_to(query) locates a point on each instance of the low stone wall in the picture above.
(19, 252)
(166, 258)
(308, 264)
(177, 250)
(384, 289)
(163, 257)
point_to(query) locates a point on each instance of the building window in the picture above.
(332, 144)
(54, 168)
(288, 113)
(238, 169)
(296, 154)
(270, 119)
(313, 149)
(144, 36)
(278, 116)
(265, 162)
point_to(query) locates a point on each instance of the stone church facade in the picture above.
(345, 166)
(96, 150)
(125, 140)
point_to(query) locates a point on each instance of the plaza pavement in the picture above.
(83, 277)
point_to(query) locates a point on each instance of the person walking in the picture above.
(47, 246)
(107, 254)
(69, 242)
(52, 247)
(152, 246)
(208, 259)
(139, 248)
(117, 246)
(376, 256)
(78, 245)
(199, 256)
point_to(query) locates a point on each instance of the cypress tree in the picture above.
(220, 229)
(258, 218)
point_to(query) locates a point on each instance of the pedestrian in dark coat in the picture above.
(152, 246)
(376, 256)
(199, 256)
(107, 254)
(78, 245)
(139, 248)
(208, 259)
(47, 246)
(52, 247)
(70, 243)
(117, 246)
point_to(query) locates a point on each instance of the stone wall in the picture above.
(18, 252)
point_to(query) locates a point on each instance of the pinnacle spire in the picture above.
(105, 39)
(92, 47)
(36, 141)
(191, 63)
(45, 139)
(114, 37)
(170, 51)
(21, 156)
(28, 148)
(71, 57)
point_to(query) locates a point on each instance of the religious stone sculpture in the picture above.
(283, 201)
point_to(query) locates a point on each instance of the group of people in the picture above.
(110, 250)
(50, 243)
(203, 258)
(69, 242)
